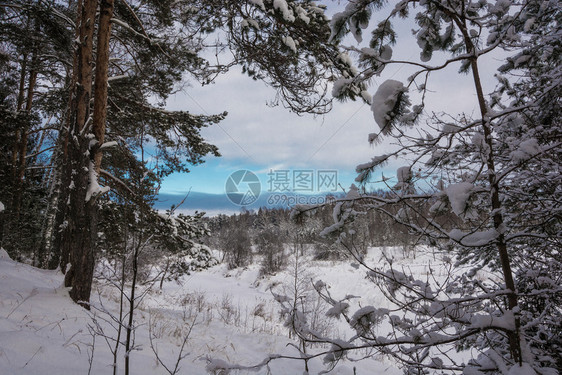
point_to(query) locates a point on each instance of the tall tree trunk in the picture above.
(495, 203)
(79, 234)
(19, 106)
(59, 251)
(45, 247)
(9, 225)
(58, 206)
(22, 144)
(84, 161)
(60, 196)
(51, 231)
(102, 66)
(497, 217)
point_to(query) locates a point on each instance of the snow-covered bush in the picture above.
(269, 245)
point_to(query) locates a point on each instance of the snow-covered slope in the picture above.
(233, 315)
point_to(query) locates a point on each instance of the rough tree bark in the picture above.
(84, 158)
(77, 244)
(102, 67)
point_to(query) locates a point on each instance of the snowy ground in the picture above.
(233, 315)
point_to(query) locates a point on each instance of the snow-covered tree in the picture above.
(113, 64)
(497, 171)
(33, 35)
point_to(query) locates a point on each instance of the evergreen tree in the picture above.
(109, 67)
(35, 50)
(490, 172)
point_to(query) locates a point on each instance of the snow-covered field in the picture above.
(225, 315)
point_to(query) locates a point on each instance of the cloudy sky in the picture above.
(264, 139)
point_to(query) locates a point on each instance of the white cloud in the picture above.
(266, 137)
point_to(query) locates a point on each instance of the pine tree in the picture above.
(490, 171)
(156, 43)
(35, 41)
